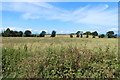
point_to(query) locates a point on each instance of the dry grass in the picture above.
(63, 36)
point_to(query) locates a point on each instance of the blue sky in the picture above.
(64, 17)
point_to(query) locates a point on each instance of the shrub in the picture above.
(101, 36)
(27, 33)
(53, 34)
(71, 35)
(42, 34)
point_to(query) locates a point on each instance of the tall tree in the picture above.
(110, 34)
(15, 34)
(53, 33)
(27, 33)
(87, 34)
(78, 34)
(7, 32)
(94, 34)
(42, 34)
(20, 33)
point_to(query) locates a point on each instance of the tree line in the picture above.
(28, 33)
(109, 34)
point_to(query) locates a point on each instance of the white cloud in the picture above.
(99, 15)
(29, 29)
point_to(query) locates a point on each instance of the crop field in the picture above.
(35, 57)
(84, 36)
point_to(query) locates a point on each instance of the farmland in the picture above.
(61, 36)
(35, 57)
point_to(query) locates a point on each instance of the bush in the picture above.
(27, 33)
(71, 35)
(101, 36)
(42, 34)
(53, 34)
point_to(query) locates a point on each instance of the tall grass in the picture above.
(60, 58)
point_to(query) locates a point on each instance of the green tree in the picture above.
(87, 33)
(53, 33)
(101, 36)
(20, 33)
(42, 34)
(110, 34)
(14, 34)
(11, 34)
(115, 36)
(71, 35)
(27, 33)
(33, 35)
(94, 34)
(78, 34)
(7, 32)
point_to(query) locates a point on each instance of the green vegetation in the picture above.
(87, 34)
(78, 34)
(101, 36)
(53, 33)
(28, 57)
(110, 34)
(11, 33)
(42, 34)
(71, 35)
(27, 33)
(94, 34)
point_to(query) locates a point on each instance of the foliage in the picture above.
(110, 34)
(78, 33)
(42, 34)
(87, 33)
(11, 33)
(53, 33)
(71, 35)
(60, 58)
(115, 36)
(27, 33)
(101, 36)
(33, 35)
(94, 34)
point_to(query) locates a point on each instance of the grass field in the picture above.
(36, 57)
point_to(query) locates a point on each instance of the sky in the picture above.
(63, 17)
